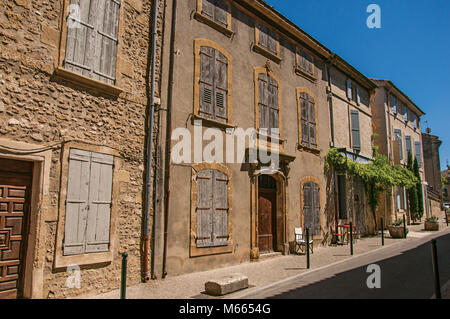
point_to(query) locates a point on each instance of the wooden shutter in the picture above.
(408, 145)
(220, 12)
(418, 150)
(208, 9)
(204, 208)
(91, 49)
(308, 207)
(272, 43)
(312, 121)
(263, 36)
(304, 106)
(356, 138)
(220, 87)
(398, 137)
(263, 103)
(77, 202)
(99, 215)
(220, 209)
(106, 41)
(306, 62)
(207, 56)
(316, 208)
(80, 39)
(349, 89)
(273, 104)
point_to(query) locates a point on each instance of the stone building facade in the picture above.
(446, 190)
(432, 165)
(73, 111)
(397, 124)
(240, 65)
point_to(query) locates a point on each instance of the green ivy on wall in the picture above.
(378, 176)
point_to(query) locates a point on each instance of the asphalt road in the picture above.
(405, 273)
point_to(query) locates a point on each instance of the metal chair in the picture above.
(300, 241)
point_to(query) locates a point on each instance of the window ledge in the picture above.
(305, 74)
(270, 139)
(211, 123)
(88, 82)
(62, 261)
(213, 24)
(309, 149)
(259, 49)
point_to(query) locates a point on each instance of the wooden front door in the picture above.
(15, 191)
(266, 221)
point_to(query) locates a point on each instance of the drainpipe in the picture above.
(146, 238)
(330, 99)
(168, 145)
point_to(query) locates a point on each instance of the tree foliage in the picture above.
(419, 190)
(412, 193)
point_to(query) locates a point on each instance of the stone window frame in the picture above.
(299, 71)
(194, 250)
(261, 50)
(61, 261)
(77, 78)
(303, 181)
(198, 43)
(269, 140)
(213, 24)
(313, 150)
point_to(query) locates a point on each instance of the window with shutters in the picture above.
(216, 14)
(356, 135)
(405, 113)
(266, 43)
(310, 196)
(349, 89)
(211, 211)
(88, 203)
(268, 103)
(91, 41)
(305, 65)
(212, 100)
(307, 110)
(414, 120)
(398, 137)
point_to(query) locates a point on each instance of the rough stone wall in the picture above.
(38, 107)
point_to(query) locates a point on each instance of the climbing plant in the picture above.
(378, 176)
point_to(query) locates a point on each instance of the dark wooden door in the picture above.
(15, 191)
(266, 220)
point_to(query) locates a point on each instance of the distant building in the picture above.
(432, 166)
(446, 189)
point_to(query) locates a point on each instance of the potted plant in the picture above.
(432, 223)
(396, 230)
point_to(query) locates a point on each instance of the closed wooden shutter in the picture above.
(220, 209)
(308, 207)
(220, 14)
(91, 49)
(312, 121)
(316, 208)
(100, 190)
(213, 84)
(204, 208)
(212, 209)
(77, 202)
(306, 62)
(88, 204)
(208, 9)
(356, 138)
(349, 89)
(267, 39)
(398, 137)
(304, 105)
(418, 149)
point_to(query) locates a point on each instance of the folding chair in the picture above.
(300, 241)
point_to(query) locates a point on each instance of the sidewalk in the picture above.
(265, 272)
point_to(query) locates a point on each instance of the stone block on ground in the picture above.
(226, 285)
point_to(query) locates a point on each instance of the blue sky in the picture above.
(412, 48)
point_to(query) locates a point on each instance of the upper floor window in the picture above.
(398, 137)
(405, 113)
(353, 92)
(305, 62)
(212, 84)
(88, 204)
(356, 135)
(308, 115)
(414, 120)
(394, 104)
(418, 150)
(268, 103)
(408, 145)
(267, 43)
(215, 13)
(91, 46)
